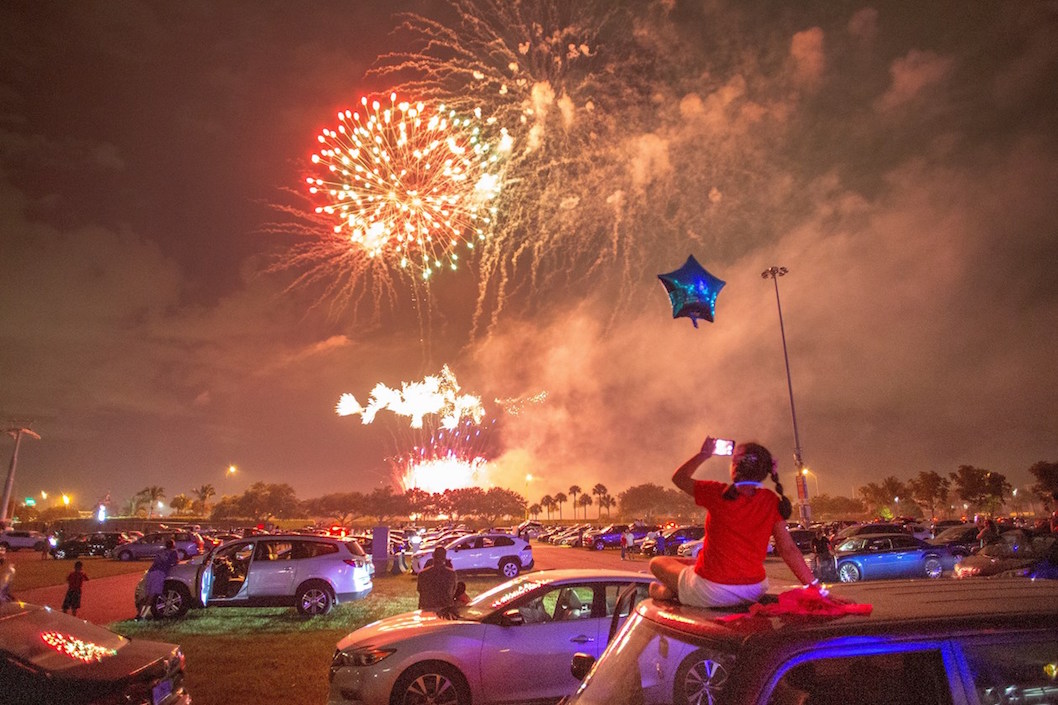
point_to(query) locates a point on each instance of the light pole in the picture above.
(774, 273)
(9, 487)
(528, 479)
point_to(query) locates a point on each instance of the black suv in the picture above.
(943, 643)
(101, 543)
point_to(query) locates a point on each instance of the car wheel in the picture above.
(314, 599)
(125, 556)
(432, 683)
(848, 573)
(600, 545)
(934, 569)
(510, 568)
(174, 601)
(58, 554)
(698, 680)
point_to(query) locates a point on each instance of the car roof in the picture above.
(588, 574)
(898, 607)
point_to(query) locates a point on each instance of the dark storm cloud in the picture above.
(900, 160)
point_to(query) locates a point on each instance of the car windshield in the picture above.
(953, 533)
(499, 598)
(646, 664)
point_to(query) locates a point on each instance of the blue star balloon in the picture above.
(692, 291)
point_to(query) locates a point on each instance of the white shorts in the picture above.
(696, 591)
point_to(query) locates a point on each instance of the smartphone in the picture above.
(722, 446)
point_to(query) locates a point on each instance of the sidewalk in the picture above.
(103, 600)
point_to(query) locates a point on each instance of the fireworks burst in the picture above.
(437, 396)
(407, 184)
(569, 79)
(449, 459)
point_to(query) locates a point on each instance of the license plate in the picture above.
(161, 691)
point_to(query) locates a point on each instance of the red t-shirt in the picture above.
(76, 579)
(736, 533)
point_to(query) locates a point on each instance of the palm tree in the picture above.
(585, 501)
(599, 490)
(575, 490)
(203, 493)
(152, 495)
(534, 509)
(606, 501)
(560, 499)
(547, 503)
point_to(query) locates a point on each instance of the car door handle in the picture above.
(582, 639)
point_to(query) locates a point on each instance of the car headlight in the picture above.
(359, 657)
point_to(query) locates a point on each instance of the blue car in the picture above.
(881, 556)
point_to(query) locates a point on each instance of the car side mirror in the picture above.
(580, 665)
(513, 618)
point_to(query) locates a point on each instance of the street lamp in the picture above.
(774, 273)
(815, 478)
(9, 487)
(528, 479)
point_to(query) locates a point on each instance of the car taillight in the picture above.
(355, 562)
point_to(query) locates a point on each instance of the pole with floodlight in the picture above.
(9, 487)
(801, 481)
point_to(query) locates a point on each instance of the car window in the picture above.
(272, 551)
(612, 591)
(879, 545)
(503, 541)
(904, 542)
(877, 679)
(311, 549)
(1014, 671)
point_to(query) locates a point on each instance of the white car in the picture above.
(14, 539)
(507, 555)
(312, 573)
(691, 549)
(513, 643)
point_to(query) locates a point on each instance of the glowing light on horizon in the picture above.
(440, 474)
(410, 184)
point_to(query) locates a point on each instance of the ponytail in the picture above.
(785, 506)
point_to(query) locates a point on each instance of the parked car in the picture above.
(859, 529)
(507, 555)
(557, 537)
(690, 549)
(529, 529)
(188, 544)
(1014, 550)
(961, 540)
(510, 644)
(47, 657)
(610, 537)
(101, 543)
(673, 539)
(957, 642)
(15, 539)
(312, 573)
(896, 555)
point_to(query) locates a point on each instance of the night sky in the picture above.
(901, 159)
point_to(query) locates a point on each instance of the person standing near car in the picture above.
(741, 517)
(156, 575)
(820, 554)
(437, 583)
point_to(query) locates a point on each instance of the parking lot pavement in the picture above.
(103, 600)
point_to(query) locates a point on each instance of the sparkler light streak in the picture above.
(407, 184)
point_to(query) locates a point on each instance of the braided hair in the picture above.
(756, 464)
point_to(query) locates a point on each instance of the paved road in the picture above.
(107, 600)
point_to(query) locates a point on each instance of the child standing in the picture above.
(75, 580)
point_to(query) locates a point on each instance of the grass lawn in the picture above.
(34, 574)
(243, 655)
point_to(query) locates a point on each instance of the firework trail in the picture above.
(436, 396)
(570, 80)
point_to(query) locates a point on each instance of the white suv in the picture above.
(14, 539)
(503, 553)
(312, 573)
